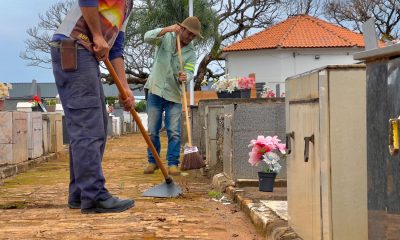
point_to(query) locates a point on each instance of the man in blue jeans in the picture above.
(164, 86)
(92, 31)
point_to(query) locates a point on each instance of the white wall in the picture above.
(273, 66)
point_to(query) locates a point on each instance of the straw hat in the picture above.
(193, 25)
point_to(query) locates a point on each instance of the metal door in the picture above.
(303, 175)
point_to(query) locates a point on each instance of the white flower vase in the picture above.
(205, 88)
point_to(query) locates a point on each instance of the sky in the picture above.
(17, 16)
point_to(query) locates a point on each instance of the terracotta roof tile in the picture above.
(300, 31)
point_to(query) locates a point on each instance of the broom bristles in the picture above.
(192, 160)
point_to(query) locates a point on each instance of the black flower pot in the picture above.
(36, 108)
(234, 94)
(266, 181)
(245, 93)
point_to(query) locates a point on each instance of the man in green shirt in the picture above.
(164, 86)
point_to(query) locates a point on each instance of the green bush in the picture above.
(141, 106)
(111, 100)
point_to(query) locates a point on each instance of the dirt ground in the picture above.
(33, 204)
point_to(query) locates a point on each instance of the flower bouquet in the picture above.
(233, 87)
(269, 151)
(35, 103)
(267, 92)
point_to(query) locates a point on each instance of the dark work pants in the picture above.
(82, 98)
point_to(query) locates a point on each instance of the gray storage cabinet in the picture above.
(326, 169)
(13, 137)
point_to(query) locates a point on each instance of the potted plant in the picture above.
(227, 87)
(268, 151)
(51, 105)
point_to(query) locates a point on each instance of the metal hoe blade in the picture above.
(164, 190)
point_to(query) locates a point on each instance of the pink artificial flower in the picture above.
(268, 94)
(246, 83)
(259, 148)
(255, 158)
(282, 148)
(263, 145)
(260, 139)
(275, 140)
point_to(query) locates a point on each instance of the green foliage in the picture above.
(141, 106)
(111, 100)
(160, 13)
(215, 194)
(51, 102)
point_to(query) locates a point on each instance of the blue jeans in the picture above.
(155, 107)
(82, 98)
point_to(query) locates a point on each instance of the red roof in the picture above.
(300, 31)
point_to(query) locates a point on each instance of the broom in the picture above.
(191, 157)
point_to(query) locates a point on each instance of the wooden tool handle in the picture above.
(137, 119)
(184, 92)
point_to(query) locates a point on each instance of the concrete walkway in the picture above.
(33, 204)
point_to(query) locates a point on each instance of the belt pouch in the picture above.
(68, 52)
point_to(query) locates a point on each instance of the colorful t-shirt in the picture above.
(113, 16)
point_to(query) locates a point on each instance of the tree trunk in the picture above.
(202, 71)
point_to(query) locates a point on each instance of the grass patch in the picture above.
(214, 194)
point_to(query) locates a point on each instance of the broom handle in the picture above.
(178, 40)
(137, 118)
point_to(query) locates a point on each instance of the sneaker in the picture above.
(151, 167)
(111, 205)
(174, 170)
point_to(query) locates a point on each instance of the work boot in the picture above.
(174, 170)
(151, 167)
(74, 204)
(110, 205)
